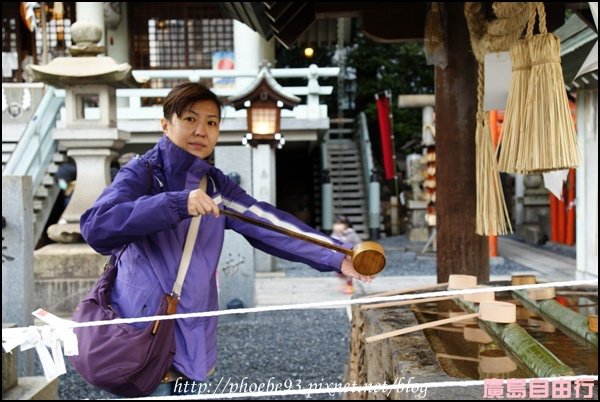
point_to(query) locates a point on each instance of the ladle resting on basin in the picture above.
(494, 311)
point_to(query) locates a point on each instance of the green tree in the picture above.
(400, 68)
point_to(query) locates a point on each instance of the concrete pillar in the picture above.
(263, 189)
(250, 50)
(94, 12)
(587, 185)
(519, 194)
(236, 266)
(327, 204)
(117, 36)
(17, 259)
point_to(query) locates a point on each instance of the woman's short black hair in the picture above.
(342, 219)
(184, 95)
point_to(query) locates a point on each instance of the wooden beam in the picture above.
(385, 27)
(460, 250)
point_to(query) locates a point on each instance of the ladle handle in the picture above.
(410, 290)
(454, 357)
(287, 232)
(403, 331)
(405, 302)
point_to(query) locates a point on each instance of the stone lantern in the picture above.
(88, 79)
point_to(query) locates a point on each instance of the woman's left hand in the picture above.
(348, 269)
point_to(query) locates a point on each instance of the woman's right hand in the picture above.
(200, 203)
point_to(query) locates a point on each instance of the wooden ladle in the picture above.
(494, 311)
(455, 282)
(368, 258)
(490, 361)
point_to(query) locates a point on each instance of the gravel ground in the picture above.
(287, 348)
(403, 259)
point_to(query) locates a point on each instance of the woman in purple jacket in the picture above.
(147, 211)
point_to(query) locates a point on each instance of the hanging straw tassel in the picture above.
(514, 115)
(551, 138)
(492, 214)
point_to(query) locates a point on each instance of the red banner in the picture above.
(385, 131)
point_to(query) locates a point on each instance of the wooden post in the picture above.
(570, 234)
(460, 250)
(495, 131)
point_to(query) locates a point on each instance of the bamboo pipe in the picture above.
(500, 312)
(368, 258)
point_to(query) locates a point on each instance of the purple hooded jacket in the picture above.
(145, 209)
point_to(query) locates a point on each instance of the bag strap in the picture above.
(190, 241)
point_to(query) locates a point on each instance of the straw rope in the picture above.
(497, 35)
(492, 214)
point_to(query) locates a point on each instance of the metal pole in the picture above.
(394, 204)
(44, 35)
(388, 93)
(341, 64)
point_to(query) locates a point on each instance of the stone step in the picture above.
(343, 158)
(8, 147)
(10, 366)
(346, 165)
(59, 157)
(38, 205)
(345, 180)
(33, 388)
(48, 180)
(349, 202)
(348, 188)
(52, 168)
(63, 275)
(41, 192)
(348, 211)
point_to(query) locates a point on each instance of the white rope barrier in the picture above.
(329, 304)
(215, 394)
(60, 330)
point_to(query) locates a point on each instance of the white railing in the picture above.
(132, 97)
(36, 148)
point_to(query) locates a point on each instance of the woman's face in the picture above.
(196, 130)
(339, 228)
